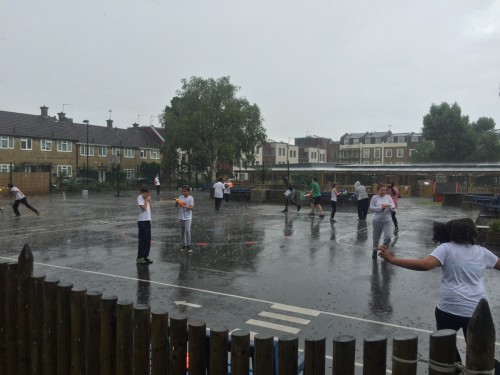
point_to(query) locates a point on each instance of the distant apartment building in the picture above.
(31, 143)
(378, 148)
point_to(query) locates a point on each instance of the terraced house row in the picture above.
(30, 143)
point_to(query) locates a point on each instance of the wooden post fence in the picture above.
(67, 330)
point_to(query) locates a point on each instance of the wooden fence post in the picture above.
(314, 356)
(25, 269)
(49, 346)
(124, 337)
(288, 355)
(159, 342)
(142, 339)
(344, 350)
(178, 345)
(481, 339)
(218, 350)
(78, 328)
(197, 331)
(36, 322)
(3, 322)
(240, 352)
(375, 355)
(64, 328)
(93, 333)
(442, 351)
(11, 362)
(263, 354)
(404, 354)
(108, 335)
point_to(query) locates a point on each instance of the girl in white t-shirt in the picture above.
(185, 202)
(463, 264)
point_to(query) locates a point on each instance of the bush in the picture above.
(495, 226)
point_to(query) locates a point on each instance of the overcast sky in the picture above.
(316, 67)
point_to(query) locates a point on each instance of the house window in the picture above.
(5, 168)
(368, 141)
(355, 154)
(401, 139)
(155, 154)
(388, 152)
(366, 153)
(64, 146)
(355, 141)
(45, 145)
(412, 151)
(400, 152)
(366, 162)
(129, 173)
(414, 139)
(376, 162)
(389, 140)
(64, 170)
(83, 149)
(346, 141)
(129, 153)
(344, 154)
(115, 151)
(102, 151)
(144, 154)
(378, 140)
(6, 142)
(25, 143)
(376, 153)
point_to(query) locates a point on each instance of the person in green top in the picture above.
(315, 192)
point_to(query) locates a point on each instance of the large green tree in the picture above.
(451, 138)
(212, 125)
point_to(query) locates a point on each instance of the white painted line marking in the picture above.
(184, 303)
(277, 327)
(295, 309)
(284, 317)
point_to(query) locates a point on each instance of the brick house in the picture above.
(30, 143)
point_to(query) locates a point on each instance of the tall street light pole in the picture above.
(87, 153)
(288, 160)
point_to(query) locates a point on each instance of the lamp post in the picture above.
(87, 153)
(288, 160)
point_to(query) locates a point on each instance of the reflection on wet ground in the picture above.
(252, 267)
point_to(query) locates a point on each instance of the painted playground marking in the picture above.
(328, 313)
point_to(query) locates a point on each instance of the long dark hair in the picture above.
(462, 231)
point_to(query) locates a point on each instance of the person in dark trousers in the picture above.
(218, 193)
(333, 200)
(362, 197)
(290, 196)
(463, 264)
(20, 198)
(144, 225)
(393, 192)
(227, 189)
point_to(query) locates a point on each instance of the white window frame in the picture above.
(388, 152)
(144, 153)
(83, 149)
(368, 141)
(115, 151)
(401, 139)
(26, 144)
(7, 142)
(130, 173)
(366, 153)
(45, 145)
(378, 140)
(102, 151)
(154, 154)
(344, 155)
(389, 140)
(129, 153)
(377, 152)
(5, 168)
(414, 139)
(355, 141)
(66, 170)
(400, 152)
(64, 146)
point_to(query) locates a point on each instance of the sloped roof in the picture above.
(377, 134)
(40, 127)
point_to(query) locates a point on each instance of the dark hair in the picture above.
(334, 184)
(315, 179)
(10, 185)
(145, 189)
(440, 232)
(462, 231)
(220, 179)
(186, 187)
(391, 184)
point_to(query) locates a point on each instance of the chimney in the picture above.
(62, 116)
(45, 111)
(110, 123)
(135, 125)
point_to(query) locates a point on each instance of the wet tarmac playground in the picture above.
(252, 267)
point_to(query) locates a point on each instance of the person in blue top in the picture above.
(463, 264)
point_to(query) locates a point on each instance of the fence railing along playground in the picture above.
(49, 327)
